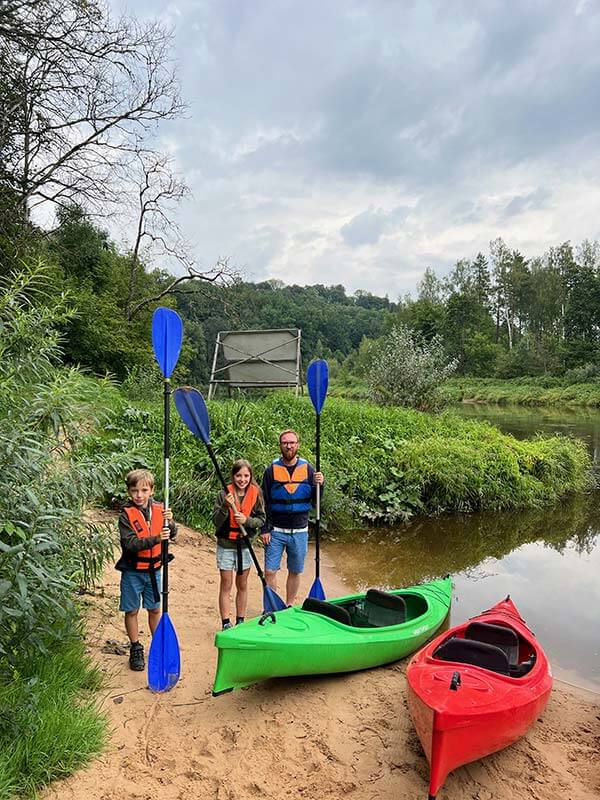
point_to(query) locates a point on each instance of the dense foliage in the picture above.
(541, 391)
(47, 549)
(407, 370)
(514, 315)
(382, 465)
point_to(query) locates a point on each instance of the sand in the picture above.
(331, 737)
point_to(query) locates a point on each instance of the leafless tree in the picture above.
(158, 236)
(80, 94)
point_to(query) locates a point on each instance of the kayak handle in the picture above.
(267, 615)
(455, 682)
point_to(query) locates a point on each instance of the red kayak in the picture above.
(476, 689)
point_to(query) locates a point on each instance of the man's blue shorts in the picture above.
(295, 545)
(136, 585)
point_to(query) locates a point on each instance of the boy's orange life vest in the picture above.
(149, 559)
(247, 504)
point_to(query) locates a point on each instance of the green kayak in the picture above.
(346, 634)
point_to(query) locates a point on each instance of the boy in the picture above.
(143, 525)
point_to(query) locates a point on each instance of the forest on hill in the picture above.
(500, 316)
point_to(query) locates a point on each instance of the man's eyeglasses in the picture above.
(288, 444)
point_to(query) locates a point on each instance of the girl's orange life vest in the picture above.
(247, 504)
(151, 558)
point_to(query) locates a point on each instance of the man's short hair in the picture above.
(139, 476)
(286, 431)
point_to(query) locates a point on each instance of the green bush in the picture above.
(49, 720)
(47, 547)
(406, 370)
(540, 391)
(381, 464)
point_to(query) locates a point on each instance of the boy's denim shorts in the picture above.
(295, 545)
(136, 585)
(227, 558)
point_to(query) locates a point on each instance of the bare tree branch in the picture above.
(79, 94)
(222, 273)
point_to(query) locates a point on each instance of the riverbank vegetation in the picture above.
(383, 465)
(548, 391)
(49, 723)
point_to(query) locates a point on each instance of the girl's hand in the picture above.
(229, 498)
(240, 518)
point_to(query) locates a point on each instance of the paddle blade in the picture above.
(271, 600)
(193, 412)
(167, 335)
(164, 664)
(317, 380)
(316, 590)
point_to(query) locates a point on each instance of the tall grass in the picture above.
(539, 391)
(48, 723)
(381, 464)
(49, 720)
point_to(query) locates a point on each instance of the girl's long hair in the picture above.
(238, 465)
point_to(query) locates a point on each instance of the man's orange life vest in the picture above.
(291, 494)
(149, 559)
(246, 506)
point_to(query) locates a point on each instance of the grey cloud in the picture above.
(527, 202)
(368, 226)
(438, 105)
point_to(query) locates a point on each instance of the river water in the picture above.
(548, 561)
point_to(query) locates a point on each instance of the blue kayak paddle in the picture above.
(164, 663)
(317, 380)
(194, 414)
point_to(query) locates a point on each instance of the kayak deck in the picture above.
(476, 689)
(343, 635)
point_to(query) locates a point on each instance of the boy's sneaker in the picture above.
(226, 626)
(136, 656)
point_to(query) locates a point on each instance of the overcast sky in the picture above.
(360, 141)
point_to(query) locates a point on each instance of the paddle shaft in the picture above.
(167, 450)
(243, 530)
(318, 503)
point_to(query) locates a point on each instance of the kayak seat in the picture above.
(383, 609)
(469, 651)
(500, 636)
(330, 610)
(523, 668)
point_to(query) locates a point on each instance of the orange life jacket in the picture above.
(149, 559)
(291, 494)
(248, 503)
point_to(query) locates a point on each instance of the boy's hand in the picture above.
(319, 478)
(168, 514)
(266, 537)
(165, 534)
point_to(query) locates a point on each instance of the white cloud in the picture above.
(362, 142)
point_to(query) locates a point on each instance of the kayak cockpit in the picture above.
(376, 609)
(494, 647)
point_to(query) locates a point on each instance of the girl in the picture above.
(241, 505)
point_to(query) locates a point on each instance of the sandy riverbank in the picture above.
(322, 738)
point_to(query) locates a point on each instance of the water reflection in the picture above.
(525, 422)
(548, 561)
